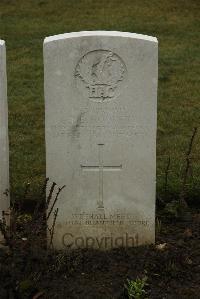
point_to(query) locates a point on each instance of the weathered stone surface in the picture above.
(101, 97)
(4, 150)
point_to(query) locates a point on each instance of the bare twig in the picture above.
(167, 174)
(53, 227)
(187, 168)
(40, 200)
(4, 230)
(55, 200)
(50, 195)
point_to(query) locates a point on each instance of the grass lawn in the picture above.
(176, 23)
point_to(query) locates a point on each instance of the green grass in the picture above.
(176, 23)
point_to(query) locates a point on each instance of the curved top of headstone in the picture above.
(2, 42)
(100, 33)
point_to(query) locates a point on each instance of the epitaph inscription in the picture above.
(99, 74)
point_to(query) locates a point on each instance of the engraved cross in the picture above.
(101, 168)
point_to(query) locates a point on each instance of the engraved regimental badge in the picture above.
(99, 75)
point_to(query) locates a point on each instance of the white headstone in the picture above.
(101, 97)
(4, 149)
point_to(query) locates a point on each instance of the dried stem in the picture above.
(53, 227)
(40, 201)
(167, 174)
(55, 200)
(4, 230)
(187, 167)
(50, 195)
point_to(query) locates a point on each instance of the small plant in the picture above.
(158, 226)
(188, 160)
(135, 288)
(172, 209)
(171, 268)
(59, 263)
(25, 241)
(176, 210)
(29, 230)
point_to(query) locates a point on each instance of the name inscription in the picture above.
(117, 121)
